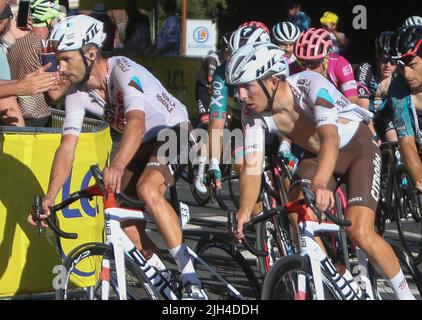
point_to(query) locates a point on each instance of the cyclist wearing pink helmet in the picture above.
(256, 24)
(313, 50)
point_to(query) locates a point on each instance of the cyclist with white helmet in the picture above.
(220, 107)
(285, 34)
(413, 21)
(133, 102)
(313, 50)
(309, 109)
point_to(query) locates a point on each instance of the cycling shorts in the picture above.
(359, 166)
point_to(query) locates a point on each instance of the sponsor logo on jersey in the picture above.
(166, 101)
(123, 64)
(324, 99)
(355, 199)
(375, 189)
(136, 83)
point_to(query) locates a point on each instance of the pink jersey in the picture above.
(294, 67)
(340, 73)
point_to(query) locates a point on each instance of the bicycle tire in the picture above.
(409, 201)
(234, 195)
(136, 281)
(274, 288)
(233, 267)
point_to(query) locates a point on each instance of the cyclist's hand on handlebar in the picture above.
(46, 203)
(241, 219)
(112, 177)
(324, 198)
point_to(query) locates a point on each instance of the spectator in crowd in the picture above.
(295, 14)
(9, 109)
(168, 38)
(137, 32)
(329, 21)
(25, 58)
(100, 13)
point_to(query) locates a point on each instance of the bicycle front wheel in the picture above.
(290, 278)
(84, 271)
(231, 266)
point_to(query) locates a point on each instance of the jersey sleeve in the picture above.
(320, 92)
(220, 93)
(254, 130)
(346, 78)
(130, 85)
(74, 112)
(364, 75)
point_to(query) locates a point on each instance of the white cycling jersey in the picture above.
(130, 87)
(319, 100)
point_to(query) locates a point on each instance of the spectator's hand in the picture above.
(46, 202)
(112, 177)
(36, 82)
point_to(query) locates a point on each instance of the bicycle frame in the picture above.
(122, 246)
(308, 247)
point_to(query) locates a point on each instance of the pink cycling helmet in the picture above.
(313, 44)
(256, 24)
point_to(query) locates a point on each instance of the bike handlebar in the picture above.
(308, 201)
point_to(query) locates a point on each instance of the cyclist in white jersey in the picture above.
(310, 111)
(135, 103)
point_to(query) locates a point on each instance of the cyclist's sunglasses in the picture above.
(309, 64)
(386, 59)
(406, 58)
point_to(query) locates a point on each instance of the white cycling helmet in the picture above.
(247, 34)
(73, 33)
(413, 21)
(285, 32)
(255, 61)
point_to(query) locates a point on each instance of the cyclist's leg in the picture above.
(135, 230)
(151, 188)
(363, 194)
(305, 173)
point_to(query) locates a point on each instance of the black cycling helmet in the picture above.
(407, 43)
(383, 43)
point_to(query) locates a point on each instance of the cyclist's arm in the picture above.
(326, 119)
(62, 165)
(346, 78)
(412, 160)
(250, 176)
(328, 153)
(218, 112)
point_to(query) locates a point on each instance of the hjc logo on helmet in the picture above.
(90, 35)
(265, 68)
